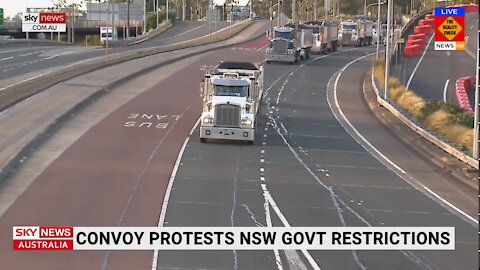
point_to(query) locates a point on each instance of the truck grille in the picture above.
(280, 46)
(227, 115)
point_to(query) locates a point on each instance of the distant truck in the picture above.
(282, 46)
(289, 44)
(325, 36)
(231, 95)
(368, 32)
(353, 33)
(108, 33)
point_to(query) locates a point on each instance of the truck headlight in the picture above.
(246, 122)
(208, 119)
(290, 51)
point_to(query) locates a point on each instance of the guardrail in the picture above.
(17, 92)
(422, 132)
(463, 85)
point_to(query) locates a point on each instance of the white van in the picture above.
(108, 33)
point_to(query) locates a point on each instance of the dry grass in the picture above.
(412, 103)
(379, 72)
(396, 89)
(438, 121)
(460, 135)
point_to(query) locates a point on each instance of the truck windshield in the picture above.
(316, 30)
(105, 35)
(285, 35)
(349, 26)
(234, 91)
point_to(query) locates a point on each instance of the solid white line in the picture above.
(167, 196)
(285, 223)
(6, 58)
(194, 126)
(418, 63)
(381, 157)
(26, 80)
(445, 91)
(268, 220)
(467, 50)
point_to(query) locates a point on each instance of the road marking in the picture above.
(268, 219)
(418, 63)
(6, 58)
(382, 158)
(445, 88)
(467, 50)
(163, 211)
(26, 54)
(26, 80)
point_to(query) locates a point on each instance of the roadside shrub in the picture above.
(438, 121)
(396, 88)
(379, 72)
(463, 119)
(461, 136)
(412, 103)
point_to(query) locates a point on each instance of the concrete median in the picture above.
(14, 93)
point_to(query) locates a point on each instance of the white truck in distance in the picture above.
(282, 46)
(352, 33)
(231, 95)
(325, 36)
(108, 33)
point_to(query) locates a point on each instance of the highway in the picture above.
(321, 155)
(433, 75)
(17, 64)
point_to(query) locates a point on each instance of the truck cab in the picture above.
(282, 45)
(349, 33)
(231, 95)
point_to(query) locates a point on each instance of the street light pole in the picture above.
(167, 9)
(379, 29)
(156, 10)
(365, 8)
(387, 52)
(278, 12)
(476, 118)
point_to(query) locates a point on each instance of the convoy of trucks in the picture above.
(231, 94)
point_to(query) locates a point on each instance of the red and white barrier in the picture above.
(463, 85)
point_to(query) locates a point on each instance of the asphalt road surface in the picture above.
(317, 174)
(15, 62)
(315, 171)
(435, 76)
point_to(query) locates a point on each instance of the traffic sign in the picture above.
(449, 28)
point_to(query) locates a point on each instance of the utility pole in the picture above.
(379, 29)
(315, 10)
(278, 12)
(167, 9)
(476, 118)
(293, 11)
(128, 19)
(113, 20)
(144, 17)
(365, 8)
(387, 51)
(156, 11)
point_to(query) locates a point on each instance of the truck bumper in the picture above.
(280, 57)
(237, 134)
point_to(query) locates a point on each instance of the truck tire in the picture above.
(250, 142)
(268, 61)
(334, 46)
(203, 140)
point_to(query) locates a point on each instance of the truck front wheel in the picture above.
(203, 140)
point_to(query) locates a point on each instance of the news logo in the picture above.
(449, 29)
(44, 22)
(43, 238)
(232, 238)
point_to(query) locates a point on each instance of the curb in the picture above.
(422, 132)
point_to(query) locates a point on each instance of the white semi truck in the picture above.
(231, 94)
(289, 44)
(325, 36)
(352, 33)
